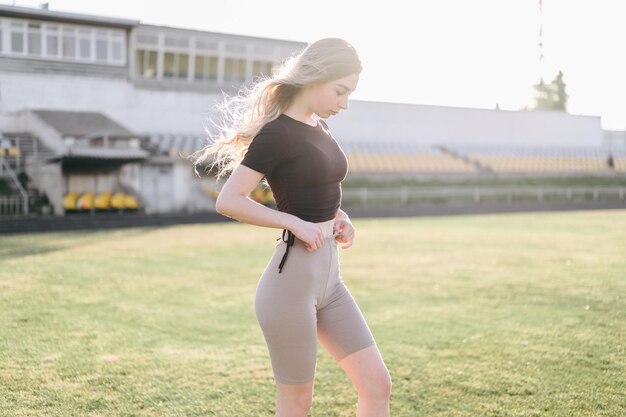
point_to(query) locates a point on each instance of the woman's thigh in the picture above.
(341, 327)
(285, 309)
(367, 371)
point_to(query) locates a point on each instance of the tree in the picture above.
(551, 96)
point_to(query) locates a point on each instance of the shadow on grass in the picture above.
(19, 246)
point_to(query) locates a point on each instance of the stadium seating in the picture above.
(104, 201)
(378, 157)
(389, 157)
(540, 159)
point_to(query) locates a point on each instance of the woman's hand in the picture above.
(310, 233)
(343, 229)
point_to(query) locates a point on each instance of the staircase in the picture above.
(22, 152)
(18, 201)
(480, 167)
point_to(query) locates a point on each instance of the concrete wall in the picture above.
(141, 110)
(163, 110)
(434, 125)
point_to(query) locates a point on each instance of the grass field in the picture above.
(486, 315)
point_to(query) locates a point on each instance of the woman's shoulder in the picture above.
(274, 129)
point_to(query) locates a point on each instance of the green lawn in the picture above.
(486, 315)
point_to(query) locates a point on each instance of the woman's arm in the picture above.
(342, 214)
(233, 202)
(345, 229)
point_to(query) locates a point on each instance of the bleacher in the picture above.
(175, 144)
(543, 159)
(379, 157)
(389, 157)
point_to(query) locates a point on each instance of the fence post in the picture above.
(595, 193)
(404, 195)
(363, 195)
(476, 194)
(540, 193)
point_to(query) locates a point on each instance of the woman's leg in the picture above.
(370, 377)
(285, 309)
(293, 400)
(344, 333)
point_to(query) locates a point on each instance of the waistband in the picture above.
(327, 229)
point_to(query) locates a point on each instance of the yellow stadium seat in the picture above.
(103, 200)
(70, 201)
(85, 201)
(117, 201)
(130, 202)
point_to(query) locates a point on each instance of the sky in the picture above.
(461, 53)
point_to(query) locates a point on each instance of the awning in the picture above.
(90, 158)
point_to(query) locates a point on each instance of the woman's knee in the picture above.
(294, 400)
(378, 386)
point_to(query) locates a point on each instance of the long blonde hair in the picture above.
(247, 112)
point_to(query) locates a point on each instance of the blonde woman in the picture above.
(275, 131)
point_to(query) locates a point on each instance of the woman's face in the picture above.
(330, 98)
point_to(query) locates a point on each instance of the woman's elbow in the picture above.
(221, 205)
(224, 204)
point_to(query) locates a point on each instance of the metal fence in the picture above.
(407, 195)
(12, 204)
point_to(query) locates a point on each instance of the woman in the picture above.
(276, 132)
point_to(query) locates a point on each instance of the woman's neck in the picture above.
(301, 113)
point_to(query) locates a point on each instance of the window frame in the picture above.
(68, 35)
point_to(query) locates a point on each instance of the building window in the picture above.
(34, 39)
(117, 47)
(102, 45)
(147, 39)
(17, 37)
(146, 63)
(176, 42)
(206, 68)
(52, 41)
(234, 70)
(183, 65)
(68, 45)
(61, 41)
(188, 58)
(262, 68)
(206, 45)
(84, 43)
(175, 65)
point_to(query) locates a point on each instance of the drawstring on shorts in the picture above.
(291, 238)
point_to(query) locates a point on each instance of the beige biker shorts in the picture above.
(307, 299)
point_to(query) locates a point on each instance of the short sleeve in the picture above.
(267, 149)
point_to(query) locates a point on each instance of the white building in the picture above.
(149, 89)
(150, 81)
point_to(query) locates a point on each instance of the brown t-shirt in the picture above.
(304, 167)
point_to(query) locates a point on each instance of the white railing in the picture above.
(407, 195)
(10, 204)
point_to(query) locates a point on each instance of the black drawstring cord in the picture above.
(291, 238)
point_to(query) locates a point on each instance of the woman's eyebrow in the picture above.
(341, 85)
